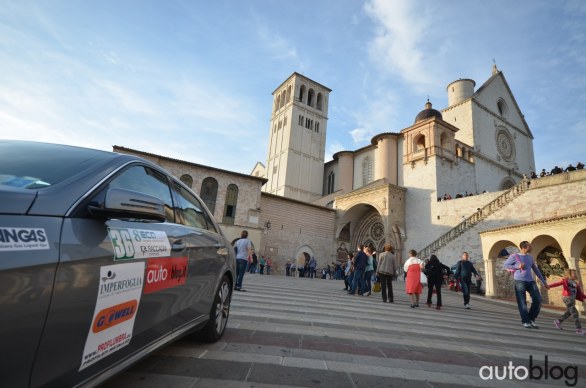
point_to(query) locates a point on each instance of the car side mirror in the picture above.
(129, 204)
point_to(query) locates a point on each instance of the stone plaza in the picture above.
(286, 332)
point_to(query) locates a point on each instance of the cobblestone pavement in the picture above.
(310, 333)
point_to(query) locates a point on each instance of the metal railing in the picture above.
(494, 205)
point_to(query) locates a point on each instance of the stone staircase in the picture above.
(490, 208)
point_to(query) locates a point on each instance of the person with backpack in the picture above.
(522, 265)
(464, 271)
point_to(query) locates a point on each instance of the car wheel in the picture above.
(216, 325)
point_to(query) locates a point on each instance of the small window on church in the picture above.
(502, 108)
(285, 121)
(317, 127)
(301, 93)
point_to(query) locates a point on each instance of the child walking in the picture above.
(571, 292)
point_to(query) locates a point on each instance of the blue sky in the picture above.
(193, 79)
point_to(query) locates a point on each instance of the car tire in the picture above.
(216, 325)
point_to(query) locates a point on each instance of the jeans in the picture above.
(358, 281)
(368, 281)
(466, 283)
(240, 269)
(521, 288)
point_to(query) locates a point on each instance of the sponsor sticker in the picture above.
(23, 239)
(165, 273)
(138, 243)
(119, 293)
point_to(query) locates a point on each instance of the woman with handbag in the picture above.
(413, 267)
(436, 273)
(385, 271)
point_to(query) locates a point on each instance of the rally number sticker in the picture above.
(138, 243)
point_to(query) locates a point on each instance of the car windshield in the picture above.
(38, 165)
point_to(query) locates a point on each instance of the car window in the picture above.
(38, 165)
(191, 210)
(148, 181)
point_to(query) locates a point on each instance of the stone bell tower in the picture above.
(297, 139)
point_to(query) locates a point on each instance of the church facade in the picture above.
(390, 190)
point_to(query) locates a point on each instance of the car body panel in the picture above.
(77, 326)
(27, 272)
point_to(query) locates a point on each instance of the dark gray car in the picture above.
(104, 258)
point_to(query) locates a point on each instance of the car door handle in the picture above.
(178, 246)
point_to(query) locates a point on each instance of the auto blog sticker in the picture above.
(165, 273)
(119, 291)
(23, 239)
(138, 243)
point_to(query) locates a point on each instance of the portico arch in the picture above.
(557, 243)
(303, 254)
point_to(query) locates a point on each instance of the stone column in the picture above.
(490, 277)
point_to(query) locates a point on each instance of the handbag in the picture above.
(376, 287)
(423, 278)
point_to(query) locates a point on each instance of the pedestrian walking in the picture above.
(243, 249)
(385, 271)
(360, 260)
(262, 262)
(463, 275)
(368, 271)
(436, 272)
(312, 267)
(269, 265)
(524, 266)
(570, 293)
(413, 287)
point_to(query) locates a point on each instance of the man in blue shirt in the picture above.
(522, 263)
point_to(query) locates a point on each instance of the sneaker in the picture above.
(558, 324)
(467, 306)
(527, 325)
(580, 332)
(533, 324)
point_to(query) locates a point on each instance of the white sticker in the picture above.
(116, 307)
(139, 243)
(23, 239)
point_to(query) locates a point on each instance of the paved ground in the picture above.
(310, 333)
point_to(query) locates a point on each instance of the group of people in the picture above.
(447, 196)
(364, 266)
(557, 170)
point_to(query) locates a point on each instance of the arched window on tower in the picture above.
(331, 182)
(419, 144)
(288, 93)
(366, 171)
(230, 205)
(187, 179)
(209, 192)
(283, 98)
(310, 96)
(319, 101)
(301, 93)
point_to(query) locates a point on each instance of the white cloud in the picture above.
(401, 30)
(361, 135)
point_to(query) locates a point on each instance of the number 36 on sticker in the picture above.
(138, 243)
